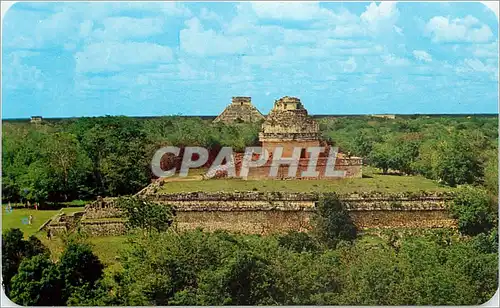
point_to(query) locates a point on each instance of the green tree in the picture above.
(298, 241)
(37, 283)
(332, 222)
(405, 152)
(459, 163)
(243, 279)
(362, 144)
(69, 165)
(14, 250)
(146, 215)
(79, 268)
(117, 150)
(491, 171)
(382, 156)
(473, 209)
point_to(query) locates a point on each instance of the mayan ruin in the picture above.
(239, 111)
(288, 126)
(250, 154)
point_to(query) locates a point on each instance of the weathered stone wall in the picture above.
(103, 227)
(270, 212)
(352, 167)
(402, 219)
(249, 222)
(102, 208)
(288, 121)
(277, 221)
(61, 222)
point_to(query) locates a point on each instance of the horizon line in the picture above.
(214, 116)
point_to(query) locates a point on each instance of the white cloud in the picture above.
(350, 47)
(468, 29)
(187, 72)
(422, 55)
(172, 8)
(478, 65)
(120, 28)
(398, 30)
(206, 14)
(380, 17)
(17, 75)
(393, 60)
(350, 30)
(485, 50)
(164, 8)
(72, 22)
(349, 66)
(198, 41)
(474, 66)
(300, 11)
(115, 56)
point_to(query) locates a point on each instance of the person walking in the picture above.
(30, 219)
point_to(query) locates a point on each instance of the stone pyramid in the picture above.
(240, 110)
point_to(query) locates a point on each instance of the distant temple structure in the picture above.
(240, 110)
(288, 132)
(288, 126)
(36, 119)
(384, 116)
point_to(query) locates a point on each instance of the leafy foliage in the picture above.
(298, 241)
(474, 210)
(332, 222)
(146, 215)
(432, 267)
(14, 250)
(37, 280)
(110, 156)
(37, 283)
(79, 267)
(197, 268)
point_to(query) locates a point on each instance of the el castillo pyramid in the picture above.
(240, 110)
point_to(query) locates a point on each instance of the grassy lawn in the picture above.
(107, 248)
(372, 181)
(18, 218)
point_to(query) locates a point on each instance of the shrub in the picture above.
(474, 210)
(297, 241)
(332, 222)
(146, 215)
(14, 250)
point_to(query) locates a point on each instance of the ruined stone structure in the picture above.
(36, 119)
(275, 212)
(240, 110)
(384, 116)
(288, 127)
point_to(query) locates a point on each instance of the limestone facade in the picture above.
(278, 212)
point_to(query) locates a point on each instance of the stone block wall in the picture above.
(103, 228)
(277, 212)
(277, 221)
(248, 222)
(353, 167)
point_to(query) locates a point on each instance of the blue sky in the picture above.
(141, 59)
